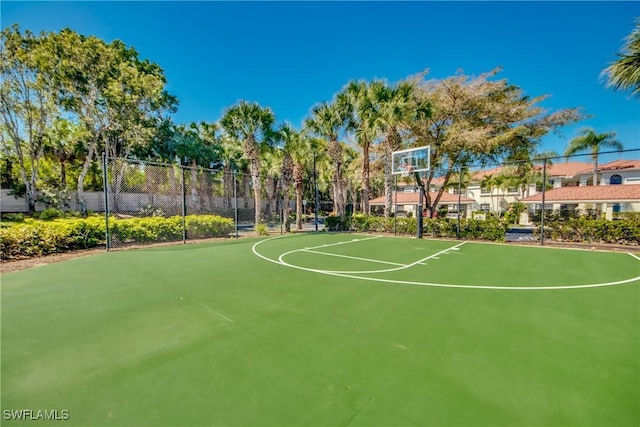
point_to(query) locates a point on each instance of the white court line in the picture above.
(340, 243)
(441, 285)
(402, 266)
(636, 257)
(352, 257)
(215, 311)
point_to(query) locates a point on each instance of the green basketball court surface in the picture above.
(325, 330)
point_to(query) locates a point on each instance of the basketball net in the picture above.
(406, 170)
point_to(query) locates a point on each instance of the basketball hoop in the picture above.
(406, 170)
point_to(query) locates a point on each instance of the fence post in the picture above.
(315, 185)
(105, 178)
(235, 202)
(544, 190)
(395, 207)
(459, 201)
(184, 205)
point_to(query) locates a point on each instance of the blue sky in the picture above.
(292, 55)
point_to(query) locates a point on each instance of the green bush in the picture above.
(588, 230)
(159, 229)
(337, 223)
(13, 217)
(262, 229)
(38, 238)
(51, 213)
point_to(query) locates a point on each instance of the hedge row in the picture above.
(579, 230)
(489, 229)
(584, 230)
(33, 238)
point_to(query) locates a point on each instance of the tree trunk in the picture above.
(334, 150)
(247, 189)
(298, 179)
(392, 144)
(30, 187)
(82, 204)
(227, 179)
(194, 184)
(365, 178)
(174, 191)
(271, 191)
(285, 207)
(257, 190)
(595, 170)
(63, 174)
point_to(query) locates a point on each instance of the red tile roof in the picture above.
(412, 198)
(599, 194)
(567, 169)
(616, 165)
(558, 168)
(479, 175)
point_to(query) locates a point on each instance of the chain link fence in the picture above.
(180, 203)
(147, 202)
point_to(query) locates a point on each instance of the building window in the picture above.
(484, 207)
(616, 208)
(615, 179)
(512, 189)
(485, 190)
(455, 190)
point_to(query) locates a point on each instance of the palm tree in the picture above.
(358, 100)
(398, 106)
(271, 164)
(297, 151)
(588, 139)
(288, 135)
(491, 182)
(624, 73)
(251, 124)
(326, 121)
(231, 157)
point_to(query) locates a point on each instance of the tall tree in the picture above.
(528, 170)
(271, 164)
(292, 151)
(359, 100)
(233, 163)
(624, 73)
(399, 105)
(26, 103)
(117, 97)
(64, 137)
(589, 140)
(253, 125)
(197, 146)
(479, 120)
(327, 121)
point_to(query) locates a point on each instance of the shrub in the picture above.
(37, 238)
(159, 229)
(337, 223)
(13, 217)
(151, 210)
(262, 229)
(51, 213)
